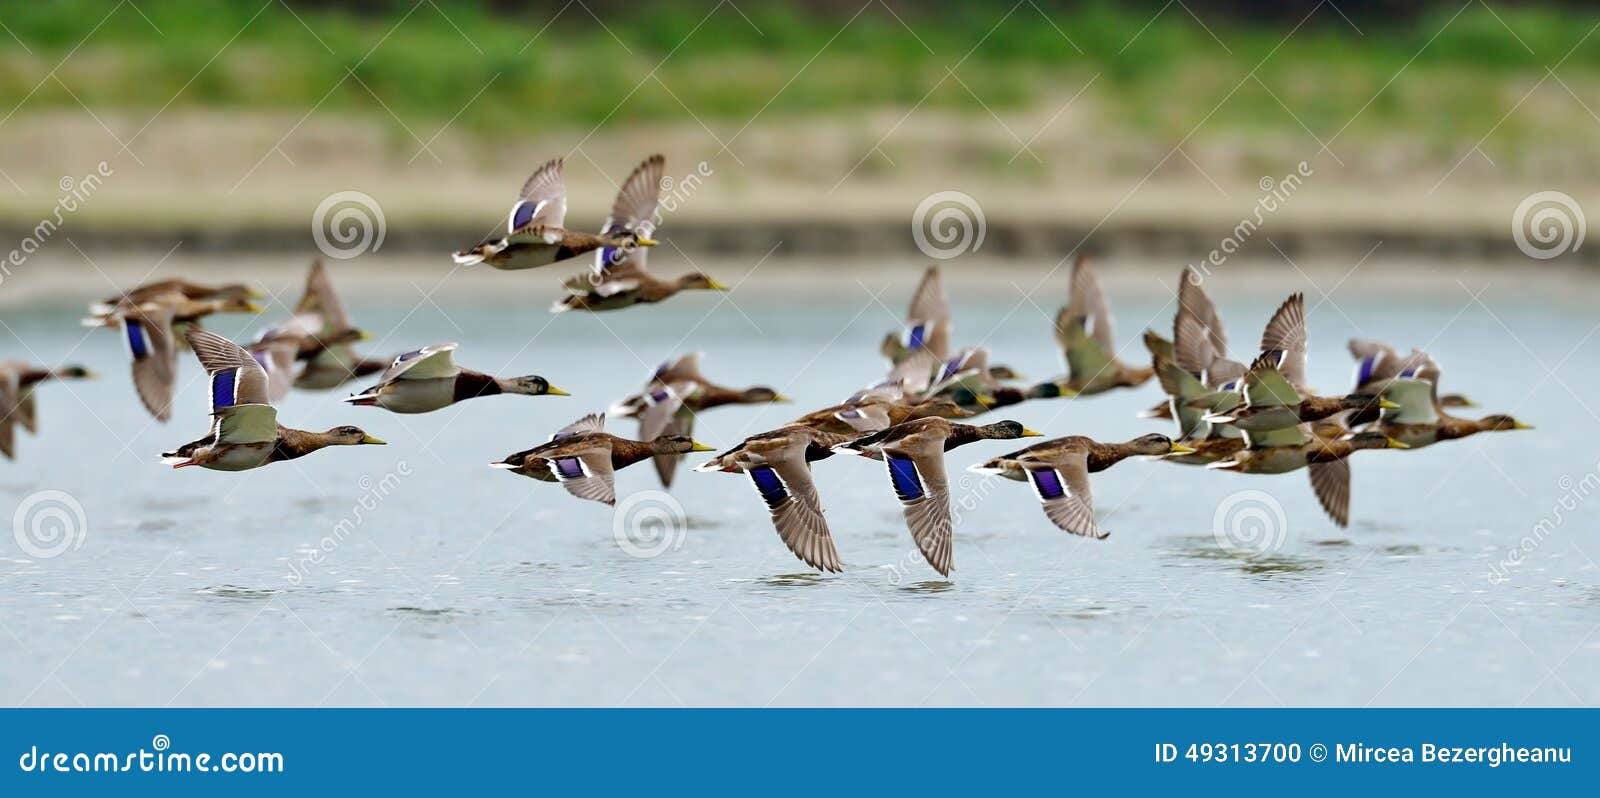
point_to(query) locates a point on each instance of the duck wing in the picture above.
(148, 331)
(928, 322)
(785, 484)
(1062, 486)
(1286, 333)
(682, 423)
(586, 473)
(1086, 304)
(916, 471)
(428, 363)
(237, 378)
(1331, 482)
(1195, 303)
(543, 201)
(10, 399)
(322, 300)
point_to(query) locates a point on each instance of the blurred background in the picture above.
(821, 124)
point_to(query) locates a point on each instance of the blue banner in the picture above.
(257, 751)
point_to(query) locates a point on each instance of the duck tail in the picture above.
(362, 399)
(988, 467)
(469, 257)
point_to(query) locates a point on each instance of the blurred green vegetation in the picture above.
(662, 60)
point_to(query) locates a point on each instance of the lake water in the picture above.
(465, 585)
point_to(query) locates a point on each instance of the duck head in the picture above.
(1501, 422)
(700, 281)
(531, 385)
(761, 394)
(1006, 431)
(628, 239)
(350, 436)
(1156, 444)
(678, 444)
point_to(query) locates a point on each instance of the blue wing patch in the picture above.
(1364, 371)
(569, 468)
(224, 388)
(914, 339)
(137, 341)
(1048, 483)
(522, 213)
(771, 487)
(903, 473)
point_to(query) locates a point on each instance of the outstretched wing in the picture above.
(236, 377)
(543, 200)
(155, 356)
(587, 474)
(1086, 304)
(321, 299)
(594, 422)
(918, 478)
(1063, 489)
(1331, 482)
(785, 484)
(428, 363)
(1286, 333)
(928, 323)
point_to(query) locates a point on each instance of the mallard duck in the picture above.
(1194, 371)
(429, 379)
(584, 458)
(185, 288)
(779, 466)
(928, 324)
(325, 348)
(1059, 470)
(1417, 421)
(914, 452)
(1271, 401)
(534, 233)
(1101, 456)
(245, 433)
(1084, 331)
(676, 392)
(620, 277)
(151, 328)
(1292, 448)
(872, 414)
(18, 407)
(1377, 363)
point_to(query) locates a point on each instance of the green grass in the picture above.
(427, 67)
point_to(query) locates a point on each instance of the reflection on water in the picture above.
(547, 608)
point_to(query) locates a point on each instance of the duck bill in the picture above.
(1173, 447)
(372, 441)
(780, 399)
(647, 242)
(700, 447)
(554, 391)
(1029, 433)
(1385, 404)
(715, 286)
(1394, 444)
(1520, 425)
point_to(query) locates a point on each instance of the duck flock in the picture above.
(1259, 417)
